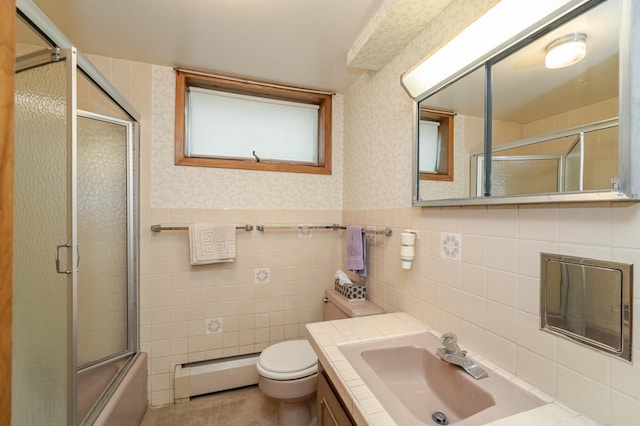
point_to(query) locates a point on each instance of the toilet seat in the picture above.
(288, 360)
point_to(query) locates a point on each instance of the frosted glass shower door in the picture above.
(103, 291)
(43, 370)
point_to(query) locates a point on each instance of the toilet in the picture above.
(288, 371)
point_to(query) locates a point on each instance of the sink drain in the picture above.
(440, 418)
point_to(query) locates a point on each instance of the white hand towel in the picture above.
(212, 243)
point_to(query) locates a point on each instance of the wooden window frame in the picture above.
(186, 79)
(445, 133)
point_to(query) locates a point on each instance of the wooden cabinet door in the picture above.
(330, 410)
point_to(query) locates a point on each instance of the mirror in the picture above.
(550, 135)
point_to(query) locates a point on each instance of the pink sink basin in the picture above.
(413, 384)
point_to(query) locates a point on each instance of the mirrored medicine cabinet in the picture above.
(520, 132)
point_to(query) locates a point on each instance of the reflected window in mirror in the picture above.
(463, 101)
(435, 144)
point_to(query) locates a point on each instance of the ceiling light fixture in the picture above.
(502, 24)
(566, 51)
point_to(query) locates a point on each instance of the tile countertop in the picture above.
(325, 337)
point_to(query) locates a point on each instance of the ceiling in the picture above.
(321, 44)
(299, 42)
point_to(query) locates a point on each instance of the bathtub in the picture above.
(127, 403)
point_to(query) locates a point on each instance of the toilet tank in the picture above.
(337, 306)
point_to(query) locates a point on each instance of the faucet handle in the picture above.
(450, 342)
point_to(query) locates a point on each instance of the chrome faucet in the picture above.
(452, 354)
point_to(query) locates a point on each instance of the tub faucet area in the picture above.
(452, 354)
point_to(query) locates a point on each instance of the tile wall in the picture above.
(267, 295)
(490, 298)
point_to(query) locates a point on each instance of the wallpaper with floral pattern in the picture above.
(200, 187)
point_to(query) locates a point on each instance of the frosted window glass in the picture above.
(229, 125)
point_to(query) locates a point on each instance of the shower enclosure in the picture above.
(576, 160)
(75, 231)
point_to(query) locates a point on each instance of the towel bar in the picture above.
(386, 231)
(159, 228)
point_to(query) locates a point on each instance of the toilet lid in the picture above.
(286, 360)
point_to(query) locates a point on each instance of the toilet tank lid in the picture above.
(352, 308)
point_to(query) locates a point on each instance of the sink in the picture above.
(418, 388)
(416, 376)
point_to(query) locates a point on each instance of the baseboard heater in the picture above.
(204, 377)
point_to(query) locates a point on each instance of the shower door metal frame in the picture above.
(132, 254)
(39, 22)
(69, 57)
(132, 167)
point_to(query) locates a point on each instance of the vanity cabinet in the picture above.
(330, 409)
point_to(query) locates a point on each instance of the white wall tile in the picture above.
(536, 370)
(583, 394)
(501, 320)
(430, 268)
(538, 223)
(625, 217)
(472, 337)
(450, 322)
(592, 226)
(450, 299)
(529, 256)
(529, 294)
(474, 279)
(473, 220)
(625, 377)
(532, 338)
(502, 221)
(624, 410)
(475, 250)
(451, 273)
(501, 352)
(502, 254)
(584, 360)
(473, 309)
(502, 287)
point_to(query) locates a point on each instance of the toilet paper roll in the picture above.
(407, 251)
(408, 238)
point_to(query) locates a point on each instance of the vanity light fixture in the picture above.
(566, 51)
(503, 23)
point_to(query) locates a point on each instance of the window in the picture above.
(435, 145)
(228, 122)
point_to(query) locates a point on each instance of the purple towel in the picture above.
(356, 250)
